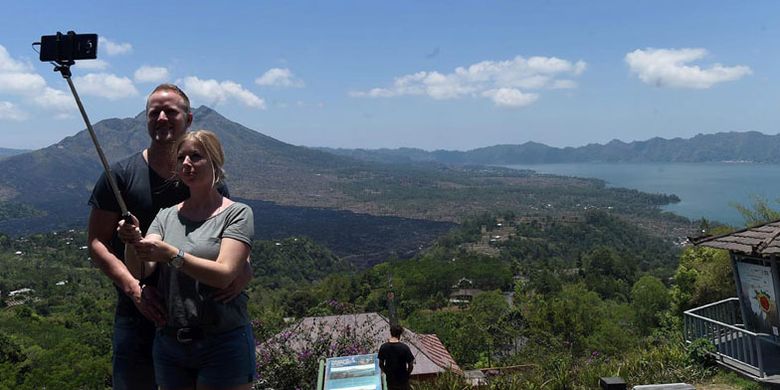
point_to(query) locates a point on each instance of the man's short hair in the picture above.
(396, 330)
(173, 88)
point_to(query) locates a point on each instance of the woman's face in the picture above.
(193, 166)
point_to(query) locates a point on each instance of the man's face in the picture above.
(166, 117)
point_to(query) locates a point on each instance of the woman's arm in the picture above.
(220, 273)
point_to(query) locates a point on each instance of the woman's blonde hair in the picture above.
(211, 146)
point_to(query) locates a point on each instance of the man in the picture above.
(144, 179)
(396, 360)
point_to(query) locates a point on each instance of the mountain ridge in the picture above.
(296, 183)
(291, 188)
(723, 146)
(7, 152)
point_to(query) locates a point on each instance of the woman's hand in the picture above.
(155, 249)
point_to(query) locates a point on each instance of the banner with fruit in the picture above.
(758, 291)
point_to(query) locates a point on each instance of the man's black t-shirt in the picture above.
(394, 357)
(144, 193)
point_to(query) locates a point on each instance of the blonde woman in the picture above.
(199, 246)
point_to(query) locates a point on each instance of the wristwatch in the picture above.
(178, 260)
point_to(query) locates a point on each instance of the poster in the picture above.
(759, 298)
(358, 372)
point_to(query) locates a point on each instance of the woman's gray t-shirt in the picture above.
(189, 302)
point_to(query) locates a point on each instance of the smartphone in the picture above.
(67, 47)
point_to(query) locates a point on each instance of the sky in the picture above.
(453, 75)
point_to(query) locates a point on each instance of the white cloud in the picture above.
(55, 99)
(63, 116)
(8, 64)
(18, 81)
(151, 74)
(563, 84)
(672, 68)
(32, 87)
(510, 97)
(501, 81)
(9, 111)
(21, 83)
(114, 48)
(92, 65)
(217, 92)
(279, 77)
(106, 85)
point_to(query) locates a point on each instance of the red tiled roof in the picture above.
(438, 354)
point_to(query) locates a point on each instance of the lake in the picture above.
(706, 190)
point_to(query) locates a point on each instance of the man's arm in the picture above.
(238, 285)
(101, 228)
(382, 361)
(102, 225)
(409, 361)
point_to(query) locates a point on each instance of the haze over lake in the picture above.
(705, 189)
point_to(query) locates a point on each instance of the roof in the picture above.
(466, 292)
(760, 240)
(430, 355)
(437, 352)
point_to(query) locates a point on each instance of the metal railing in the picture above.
(721, 324)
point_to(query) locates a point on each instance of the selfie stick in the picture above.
(63, 66)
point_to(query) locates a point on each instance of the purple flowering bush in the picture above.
(290, 359)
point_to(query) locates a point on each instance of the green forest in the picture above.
(568, 301)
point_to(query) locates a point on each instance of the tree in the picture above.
(649, 298)
(489, 307)
(489, 311)
(10, 351)
(758, 211)
(703, 276)
(571, 315)
(609, 273)
(299, 302)
(544, 281)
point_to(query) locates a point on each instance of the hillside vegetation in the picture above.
(570, 299)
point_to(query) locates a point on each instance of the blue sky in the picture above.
(427, 74)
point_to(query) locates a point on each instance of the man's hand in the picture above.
(235, 287)
(129, 232)
(149, 302)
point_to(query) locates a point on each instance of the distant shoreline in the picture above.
(706, 190)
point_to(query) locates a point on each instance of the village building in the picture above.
(463, 296)
(20, 297)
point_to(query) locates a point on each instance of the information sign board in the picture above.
(357, 372)
(758, 297)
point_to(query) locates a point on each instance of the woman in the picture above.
(199, 246)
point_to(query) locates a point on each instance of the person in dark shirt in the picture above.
(396, 360)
